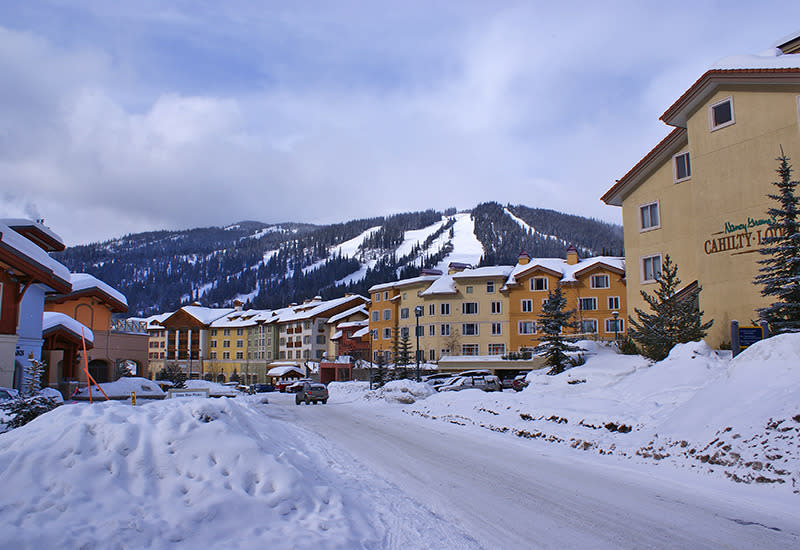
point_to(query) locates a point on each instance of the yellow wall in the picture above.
(732, 171)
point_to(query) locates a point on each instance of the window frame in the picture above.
(546, 284)
(467, 305)
(526, 305)
(473, 326)
(675, 177)
(714, 127)
(642, 261)
(611, 304)
(497, 329)
(489, 287)
(524, 333)
(593, 301)
(620, 325)
(596, 326)
(497, 308)
(592, 279)
(649, 205)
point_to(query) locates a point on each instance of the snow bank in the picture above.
(172, 473)
(397, 391)
(697, 408)
(215, 389)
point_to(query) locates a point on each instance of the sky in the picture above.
(122, 117)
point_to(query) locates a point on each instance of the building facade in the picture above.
(701, 195)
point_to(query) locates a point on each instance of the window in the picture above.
(497, 349)
(469, 329)
(374, 334)
(445, 329)
(387, 314)
(600, 281)
(587, 304)
(387, 334)
(651, 268)
(432, 355)
(527, 327)
(432, 309)
(386, 295)
(648, 216)
(240, 355)
(226, 332)
(489, 287)
(282, 355)
(497, 328)
(431, 330)
(620, 323)
(213, 343)
(469, 308)
(469, 349)
(720, 114)
(589, 326)
(239, 331)
(527, 306)
(212, 355)
(405, 332)
(376, 316)
(419, 331)
(444, 309)
(226, 343)
(226, 355)
(539, 283)
(497, 307)
(682, 166)
(404, 313)
(213, 330)
(469, 290)
(320, 339)
(239, 343)
(613, 302)
(377, 296)
(405, 295)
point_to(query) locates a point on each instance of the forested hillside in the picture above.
(270, 266)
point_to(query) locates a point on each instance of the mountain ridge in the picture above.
(272, 265)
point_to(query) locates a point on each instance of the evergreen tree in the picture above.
(32, 382)
(403, 357)
(673, 321)
(552, 322)
(379, 376)
(172, 373)
(780, 271)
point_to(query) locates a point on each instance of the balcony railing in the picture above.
(129, 326)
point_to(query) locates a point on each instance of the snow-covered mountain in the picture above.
(269, 266)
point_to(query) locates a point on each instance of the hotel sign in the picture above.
(740, 238)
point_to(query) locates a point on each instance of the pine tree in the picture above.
(673, 321)
(32, 383)
(780, 274)
(403, 357)
(552, 322)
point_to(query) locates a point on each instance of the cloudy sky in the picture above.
(120, 117)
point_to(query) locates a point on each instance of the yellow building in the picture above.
(228, 344)
(701, 194)
(594, 287)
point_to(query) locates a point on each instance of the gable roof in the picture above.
(54, 322)
(84, 284)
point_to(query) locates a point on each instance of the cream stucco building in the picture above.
(701, 194)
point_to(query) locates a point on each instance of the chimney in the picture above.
(572, 255)
(523, 258)
(457, 267)
(237, 304)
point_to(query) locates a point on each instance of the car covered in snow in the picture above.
(439, 379)
(487, 382)
(311, 393)
(7, 394)
(520, 381)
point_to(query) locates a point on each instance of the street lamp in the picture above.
(418, 313)
(615, 315)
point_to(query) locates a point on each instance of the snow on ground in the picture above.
(697, 409)
(466, 246)
(172, 473)
(417, 237)
(122, 388)
(396, 391)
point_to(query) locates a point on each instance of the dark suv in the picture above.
(311, 393)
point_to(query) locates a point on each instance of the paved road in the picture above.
(495, 492)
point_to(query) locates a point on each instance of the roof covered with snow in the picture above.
(206, 315)
(422, 279)
(569, 273)
(359, 309)
(85, 282)
(31, 255)
(53, 321)
(284, 370)
(36, 231)
(315, 308)
(237, 319)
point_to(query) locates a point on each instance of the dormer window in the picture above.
(720, 114)
(683, 168)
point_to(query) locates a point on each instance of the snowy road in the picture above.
(468, 488)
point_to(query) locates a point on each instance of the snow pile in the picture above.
(397, 391)
(697, 408)
(215, 389)
(343, 392)
(121, 389)
(172, 472)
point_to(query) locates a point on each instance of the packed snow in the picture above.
(247, 470)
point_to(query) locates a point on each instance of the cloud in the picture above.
(159, 118)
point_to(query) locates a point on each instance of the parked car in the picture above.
(520, 381)
(297, 386)
(487, 382)
(436, 380)
(264, 388)
(311, 393)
